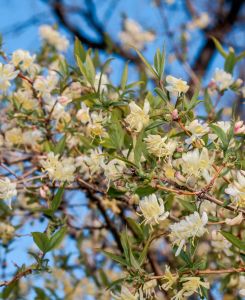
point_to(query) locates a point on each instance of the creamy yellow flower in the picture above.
(193, 285)
(6, 232)
(7, 73)
(237, 189)
(14, 136)
(176, 86)
(138, 117)
(158, 146)
(53, 37)
(170, 279)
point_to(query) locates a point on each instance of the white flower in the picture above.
(222, 79)
(114, 169)
(7, 73)
(125, 295)
(14, 136)
(83, 114)
(235, 221)
(170, 279)
(197, 130)
(92, 163)
(45, 85)
(176, 86)
(138, 117)
(25, 61)
(152, 209)
(148, 289)
(6, 232)
(201, 21)
(158, 146)
(133, 34)
(32, 137)
(208, 207)
(7, 189)
(220, 244)
(103, 83)
(194, 162)
(193, 285)
(59, 169)
(237, 189)
(190, 227)
(25, 99)
(53, 37)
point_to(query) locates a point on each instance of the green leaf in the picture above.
(59, 148)
(124, 78)
(159, 63)
(41, 240)
(143, 254)
(155, 124)
(57, 238)
(135, 227)
(57, 199)
(146, 63)
(79, 50)
(90, 70)
(234, 240)
(116, 258)
(143, 191)
(221, 134)
(138, 148)
(230, 62)
(103, 69)
(219, 47)
(113, 192)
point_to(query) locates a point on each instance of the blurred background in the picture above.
(183, 27)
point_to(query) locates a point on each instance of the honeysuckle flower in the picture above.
(235, 221)
(148, 289)
(195, 162)
(83, 114)
(222, 79)
(25, 99)
(201, 22)
(7, 73)
(208, 207)
(53, 38)
(6, 232)
(237, 189)
(45, 85)
(114, 169)
(192, 284)
(92, 162)
(152, 209)
(64, 100)
(125, 295)
(133, 34)
(32, 137)
(170, 279)
(7, 189)
(138, 117)
(176, 86)
(25, 61)
(192, 226)
(158, 146)
(197, 130)
(220, 244)
(61, 169)
(14, 136)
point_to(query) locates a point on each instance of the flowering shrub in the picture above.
(165, 185)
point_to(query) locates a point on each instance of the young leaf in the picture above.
(234, 240)
(221, 134)
(135, 227)
(41, 240)
(57, 199)
(116, 258)
(219, 47)
(59, 148)
(124, 78)
(79, 50)
(57, 238)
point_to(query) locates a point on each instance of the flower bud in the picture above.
(175, 115)
(63, 100)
